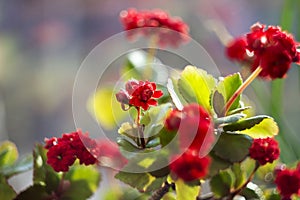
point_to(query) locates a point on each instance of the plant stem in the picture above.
(246, 83)
(159, 193)
(139, 128)
(237, 191)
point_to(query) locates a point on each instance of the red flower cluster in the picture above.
(264, 150)
(194, 127)
(288, 182)
(110, 155)
(272, 49)
(174, 32)
(62, 152)
(139, 94)
(189, 166)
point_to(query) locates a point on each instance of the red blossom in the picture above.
(272, 49)
(196, 129)
(189, 166)
(264, 150)
(173, 120)
(62, 152)
(174, 32)
(139, 94)
(288, 183)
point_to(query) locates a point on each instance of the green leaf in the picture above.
(42, 172)
(84, 180)
(141, 181)
(8, 154)
(240, 176)
(124, 194)
(166, 136)
(260, 126)
(36, 191)
(154, 119)
(229, 119)
(218, 103)
(228, 86)
(196, 85)
(6, 191)
(129, 129)
(175, 95)
(253, 192)
(221, 183)
(217, 164)
(233, 147)
(20, 166)
(185, 191)
(104, 106)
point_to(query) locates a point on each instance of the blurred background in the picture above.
(43, 43)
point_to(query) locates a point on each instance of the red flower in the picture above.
(173, 120)
(189, 166)
(61, 157)
(175, 30)
(272, 49)
(110, 154)
(139, 94)
(288, 183)
(264, 150)
(196, 129)
(62, 152)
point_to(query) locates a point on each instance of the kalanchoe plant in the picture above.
(194, 131)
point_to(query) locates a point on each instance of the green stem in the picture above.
(139, 128)
(237, 191)
(237, 93)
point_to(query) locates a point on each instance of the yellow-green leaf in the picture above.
(105, 108)
(8, 154)
(185, 191)
(196, 85)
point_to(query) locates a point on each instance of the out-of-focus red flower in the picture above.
(189, 166)
(288, 183)
(173, 30)
(139, 94)
(173, 120)
(272, 49)
(196, 129)
(62, 152)
(110, 154)
(264, 150)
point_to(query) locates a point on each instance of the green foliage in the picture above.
(221, 184)
(233, 147)
(226, 88)
(185, 191)
(18, 167)
(260, 126)
(196, 85)
(8, 153)
(6, 191)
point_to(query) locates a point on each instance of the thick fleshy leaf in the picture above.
(129, 130)
(6, 191)
(218, 103)
(229, 119)
(8, 154)
(36, 191)
(20, 166)
(154, 119)
(240, 175)
(196, 85)
(260, 126)
(175, 95)
(124, 193)
(217, 164)
(228, 86)
(233, 147)
(141, 181)
(185, 191)
(221, 183)
(104, 106)
(84, 180)
(42, 172)
(166, 136)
